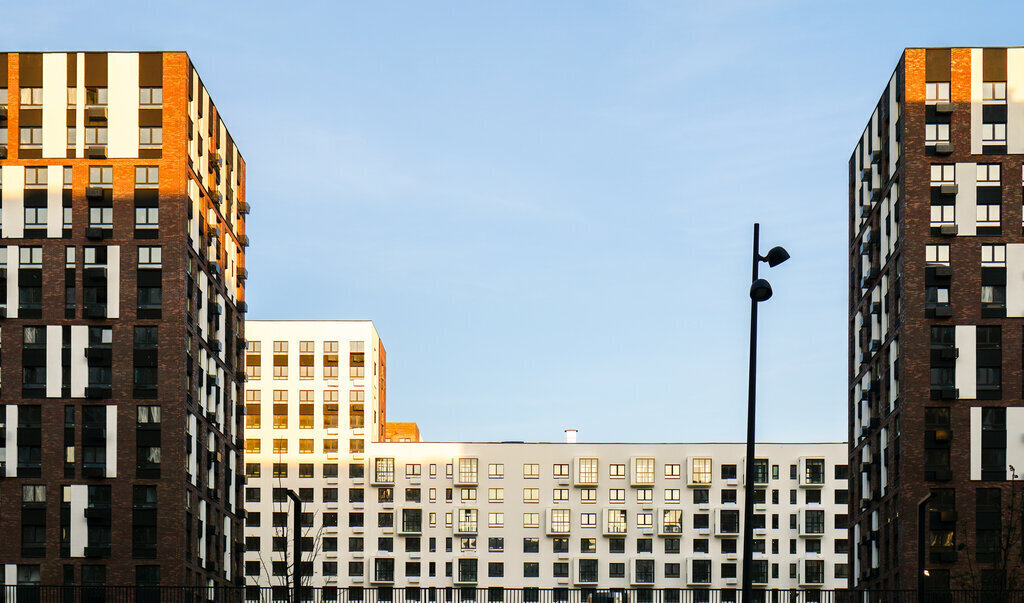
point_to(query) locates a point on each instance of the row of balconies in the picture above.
(699, 474)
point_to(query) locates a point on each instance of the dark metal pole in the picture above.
(296, 545)
(922, 516)
(748, 487)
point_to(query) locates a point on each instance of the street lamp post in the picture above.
(760, 291)
(296, 545)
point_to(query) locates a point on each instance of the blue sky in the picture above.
(546, 207)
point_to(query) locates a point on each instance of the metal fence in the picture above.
(282, 594)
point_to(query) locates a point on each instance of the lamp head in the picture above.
(760, 290)
(776, 256)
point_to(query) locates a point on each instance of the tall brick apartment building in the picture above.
(936, 318)
(122, 305)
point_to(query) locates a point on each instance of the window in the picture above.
(990, 134)
(588, 495)
(149, 98)
(936, 92)
(587, 471)
(31, 138)
(32, 97)
(496, 470)
(588, 520)
(701, 473)
(468, 471)
(814, 471)
(991, 255)
(993, 93)
(147, 177)
(672, 470)
(560, 494)
(531, 495)
(531, 520)
(936, 255)
(384, 470)
(814, 521)
(939, 133)
(149, 138)
(559, 521)
(617, 495)
(616, 521)
(644, 471)
(617, 471)
(644, 495)
(531, 470)
(495, 495)
(672, 521)
(95, 96)
(496, 520)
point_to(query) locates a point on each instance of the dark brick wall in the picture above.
(172, 485)
(898, 509)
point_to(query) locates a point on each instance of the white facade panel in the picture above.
(967, 199)
(13, 197)
(113, 281)
(54, 372)
(55, 201)
(966, 372)
(976, 96)
(55, 104)
(79, 363)
(1015, 100)
(123, 104)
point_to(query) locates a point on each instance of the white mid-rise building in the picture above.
(406, 513)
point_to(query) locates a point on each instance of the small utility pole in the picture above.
(296, 545)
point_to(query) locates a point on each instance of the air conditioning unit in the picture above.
(876, 156)
(243, 240)
(243, 307)
(96, 114)
(865, 174)
(942, 311)
(94, 233)
(946, 107)
(948, 230)
(215, 196)
(96, 152)
(93, 192)
(876, 307)
(948, 189)
(943, 271)
(3, 152)
(944, 148)
(243, 207)
(949, 353)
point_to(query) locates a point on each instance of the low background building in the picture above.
(509, 514)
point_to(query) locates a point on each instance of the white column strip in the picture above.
(111, 440)
(966, 339)
(79, 364)
(975, 442)
(967, 199)
(55, 201)
(55, 104)
(1015, 100)
(976, 96)
(123, 104)
(54, 345)
(13, 211)
(114, 281)
(13, 264)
